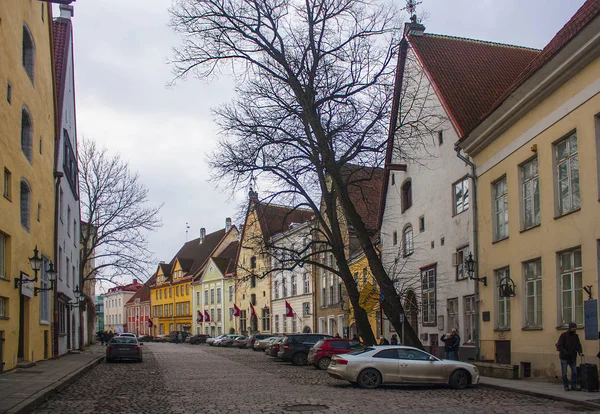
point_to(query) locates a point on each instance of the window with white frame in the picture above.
(452, 309)
(45, 294)
(212, 296)
(3, 249)
(198, 298)
(461, 269)
(276, 289)
(306, 309)
(306, 283)
(407, 241)
(218, 294)
(25, 204)
(3, 307)
(460, 191)
(26, 134)
(428, 295)
(284, 287)
(530, 194)
(231, 293)
(206, 297)
(284, 319)
(231, 311)
(571, 286)
(532, 271)
(277, 324)
(502, 302)
(294, 286)
(294, 324)
(567, 170)
(500, 207)
(219, 314)
(469, 321)
(28, 56)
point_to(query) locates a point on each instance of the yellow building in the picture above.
(536, 160)
(27, 133)
(369, 293)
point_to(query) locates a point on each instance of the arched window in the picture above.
(28, 52)
(25, 203)
(407, 240)
(406, 195)
(26, 134)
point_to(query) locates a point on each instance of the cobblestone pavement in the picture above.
(200, 379)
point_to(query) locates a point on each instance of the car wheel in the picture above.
(299, 358)
(369, 378)
(459, 379)
(324, 363)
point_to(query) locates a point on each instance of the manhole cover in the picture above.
(305, 407)
(28, 371)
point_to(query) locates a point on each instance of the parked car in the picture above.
(123, 347)
(145, 338)
(377, 365)
(173, 336)
(198, 339)
(256, 337)
(226, 340)
(161, 338)
(261, 344)
(320, 354)
(273, 348)
(240, 342)
(295, 348)
(126, 334)
(211, 341)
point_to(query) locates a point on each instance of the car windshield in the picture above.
(124, 340)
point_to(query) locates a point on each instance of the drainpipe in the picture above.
(473, 177)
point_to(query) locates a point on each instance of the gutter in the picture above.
(473, 177)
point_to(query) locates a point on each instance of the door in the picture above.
(416, 366)
(21, 350)
(388, 364)
(433, 340)
(503, 352)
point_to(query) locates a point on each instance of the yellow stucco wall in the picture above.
(167, 295)
(553, 235)
(38, 97)
(358, 266)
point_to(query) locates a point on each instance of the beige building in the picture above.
(536, 158)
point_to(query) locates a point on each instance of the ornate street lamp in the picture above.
(51, 277)
(36, 264)
(78, 299)
(470, 263)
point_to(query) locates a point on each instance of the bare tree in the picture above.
(314, 95)
(115, 217)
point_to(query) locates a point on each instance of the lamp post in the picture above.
(51, 278)
(470, 263)
(36, 264)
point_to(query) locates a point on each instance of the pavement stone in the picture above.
(182, 379)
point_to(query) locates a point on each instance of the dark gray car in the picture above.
(124, 348)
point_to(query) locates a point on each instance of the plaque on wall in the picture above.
(486, 316)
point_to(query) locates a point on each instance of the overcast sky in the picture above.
(123, 103)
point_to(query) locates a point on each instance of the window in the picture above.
(40, 145)
(212, 296)
(243, 321)
(502, 303)
(407, 241)
(461, 195)
(294, 286)
(406, 195)
(306, 309)
(340, 291)
(421, 224)
(187, 292)
(197, 298)
(206, 297)
(469, 304)
(277, 323)
(394, 238)
(387, 354)
(393, 178)
(219, 316)
(26, 134)
(3, 307)
(461, 268)
(530, 194)
(69, 220)
(295, 324)
(218, 293)
(3, 243)
(9, 92)
(276, 289)
(28, 52)
(533, 293)
(7, 184)
(62, 316)
(428, 293)
(253, 262)
(284, 319)
(571, 285)
(567, 169)
(252, 280)
(284, 287)
(500, 207)
(440, 138)
(231, 293)
(266, 320)
(306, 283)
(452, 309)
(25, 202)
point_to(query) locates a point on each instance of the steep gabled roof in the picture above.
(364, 187)
(61, 32)
(226, 260)
(469, 75)
(275, 219)
(143, 294)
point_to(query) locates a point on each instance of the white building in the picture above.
(292, 286)
(115, 317)
(67, 188)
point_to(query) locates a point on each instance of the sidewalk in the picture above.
(22, 389)
(552, 389)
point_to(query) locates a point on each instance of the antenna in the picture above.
(187, 227)
(411, 6)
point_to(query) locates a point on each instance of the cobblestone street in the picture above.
(200, 379)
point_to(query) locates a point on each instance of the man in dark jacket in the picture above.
(568, 347)
(450, 345)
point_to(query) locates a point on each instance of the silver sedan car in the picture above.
(377, 365)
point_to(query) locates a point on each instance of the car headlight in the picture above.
(475, 369)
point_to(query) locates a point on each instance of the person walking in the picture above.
(180, 337)
(383, 341)
(568, 346)
(449, 341)
(394, 340)
(101, 337)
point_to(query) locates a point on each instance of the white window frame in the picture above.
(462, 254)
(428, 295)
(306, 283)
(460, 196)
(231, 294)
(502, 303)
(452, 309)
(530, 194)
(3, 307)
(407, 241)
(533, 281)
(276, 289)
(469, 319)
(571, 162)
(570, 266)
(500, 209)
(294, 282)
(3, 243)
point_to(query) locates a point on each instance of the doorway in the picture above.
(21, 350)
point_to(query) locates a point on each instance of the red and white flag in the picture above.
(236, 310)
(150, 323)
(206, 316)
(200, 317)
(252, 311)
(289, 312)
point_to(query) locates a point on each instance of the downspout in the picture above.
(473, 177)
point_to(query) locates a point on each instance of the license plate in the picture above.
(123, 349)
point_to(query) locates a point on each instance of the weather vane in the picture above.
(411, 6)
(187, 228)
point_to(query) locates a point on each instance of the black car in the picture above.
(198, 339)
(295, 348)
(124, 348)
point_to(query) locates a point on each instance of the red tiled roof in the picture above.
(586, 13)
(226, 260)
(143, 294)
(61, 32)
(275, 219)
(364, 185)
(469, 75)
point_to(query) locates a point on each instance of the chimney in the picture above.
(227, 224)
(252, 195)
(414, 28)
(202, 235)
(66, 11)
(135, 281)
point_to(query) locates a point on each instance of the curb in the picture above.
(42, 396)
(541, 395)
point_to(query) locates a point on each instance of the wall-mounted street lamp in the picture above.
(79, 302)
(36, 264)
(51, 277)
(470, 263)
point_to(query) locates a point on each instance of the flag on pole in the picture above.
(200, 317)
(252, 311)
(236, 310)
(206, 316)
(150, 323)
(289, 312)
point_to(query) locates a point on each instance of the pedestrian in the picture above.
(449, 340)
(456, 347)
(394, 340)
(180, 337)
(383, 341)
(101, 337)
(568, 346)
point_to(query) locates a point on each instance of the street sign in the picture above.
(26, 286)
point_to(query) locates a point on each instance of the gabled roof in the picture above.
(143, 294)
(586, 13)
(226, 260)
(166, 268)
(469, 75)
(364, 187)
(61, 32)
(275, 219)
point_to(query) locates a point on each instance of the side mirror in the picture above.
(432, 358)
